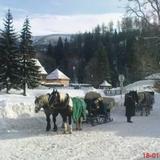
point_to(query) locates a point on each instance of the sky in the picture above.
(62, 16)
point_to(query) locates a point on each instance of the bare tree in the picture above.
(147, 10)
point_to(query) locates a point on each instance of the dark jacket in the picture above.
(130, 105)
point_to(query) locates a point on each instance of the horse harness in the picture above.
(60, 105)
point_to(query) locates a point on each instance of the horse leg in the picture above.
(70, 124)
(80, 123)
(146, 111)
(62, 126)
(149, 109)
(54, 121)
(76, 126)
(48, 122)
(141, 109)
(64, 117)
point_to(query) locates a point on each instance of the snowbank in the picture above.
(144, 85)
(16, 105)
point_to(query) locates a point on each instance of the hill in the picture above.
(46, 39)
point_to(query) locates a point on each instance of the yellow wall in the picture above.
(64, 82)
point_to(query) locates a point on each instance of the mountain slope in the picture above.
(53, 38)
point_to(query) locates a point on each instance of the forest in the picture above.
(132, 49)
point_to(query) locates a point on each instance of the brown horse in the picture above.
(62, 104)
(68, 108)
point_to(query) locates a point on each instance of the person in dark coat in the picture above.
(130, 106)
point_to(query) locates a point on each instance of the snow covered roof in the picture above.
(105, 84)
(57, 74)
(155, 76)
(41, 68)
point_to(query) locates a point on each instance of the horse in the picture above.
(62, 103)
(42, 102)
(68, 108)
(146, 100)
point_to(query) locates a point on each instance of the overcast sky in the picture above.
(62, 16)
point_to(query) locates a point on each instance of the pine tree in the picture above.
(30, 72)
(66, 53)
(103, 64)
(59, 52)
(49, 58)
(98, 69)
(9, 55)
(50, 50)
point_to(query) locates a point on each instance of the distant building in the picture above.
(57, 78)
(42, 71)
(105, 85)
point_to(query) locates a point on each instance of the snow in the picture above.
(143, 85)
(23, 135)
(155, 76)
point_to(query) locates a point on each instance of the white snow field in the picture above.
(23, 135)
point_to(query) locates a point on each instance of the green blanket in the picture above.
(79, 108)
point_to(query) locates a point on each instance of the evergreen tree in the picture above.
(98, 69)
(65, 58)
(50, 50)
(49, 58)
(103, 65)
(122, 53)
(9, 55)
(30, 72)
(59, 52)
(111, 26)
(66, 45)
(88, 46)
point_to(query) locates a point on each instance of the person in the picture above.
(130, 106)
